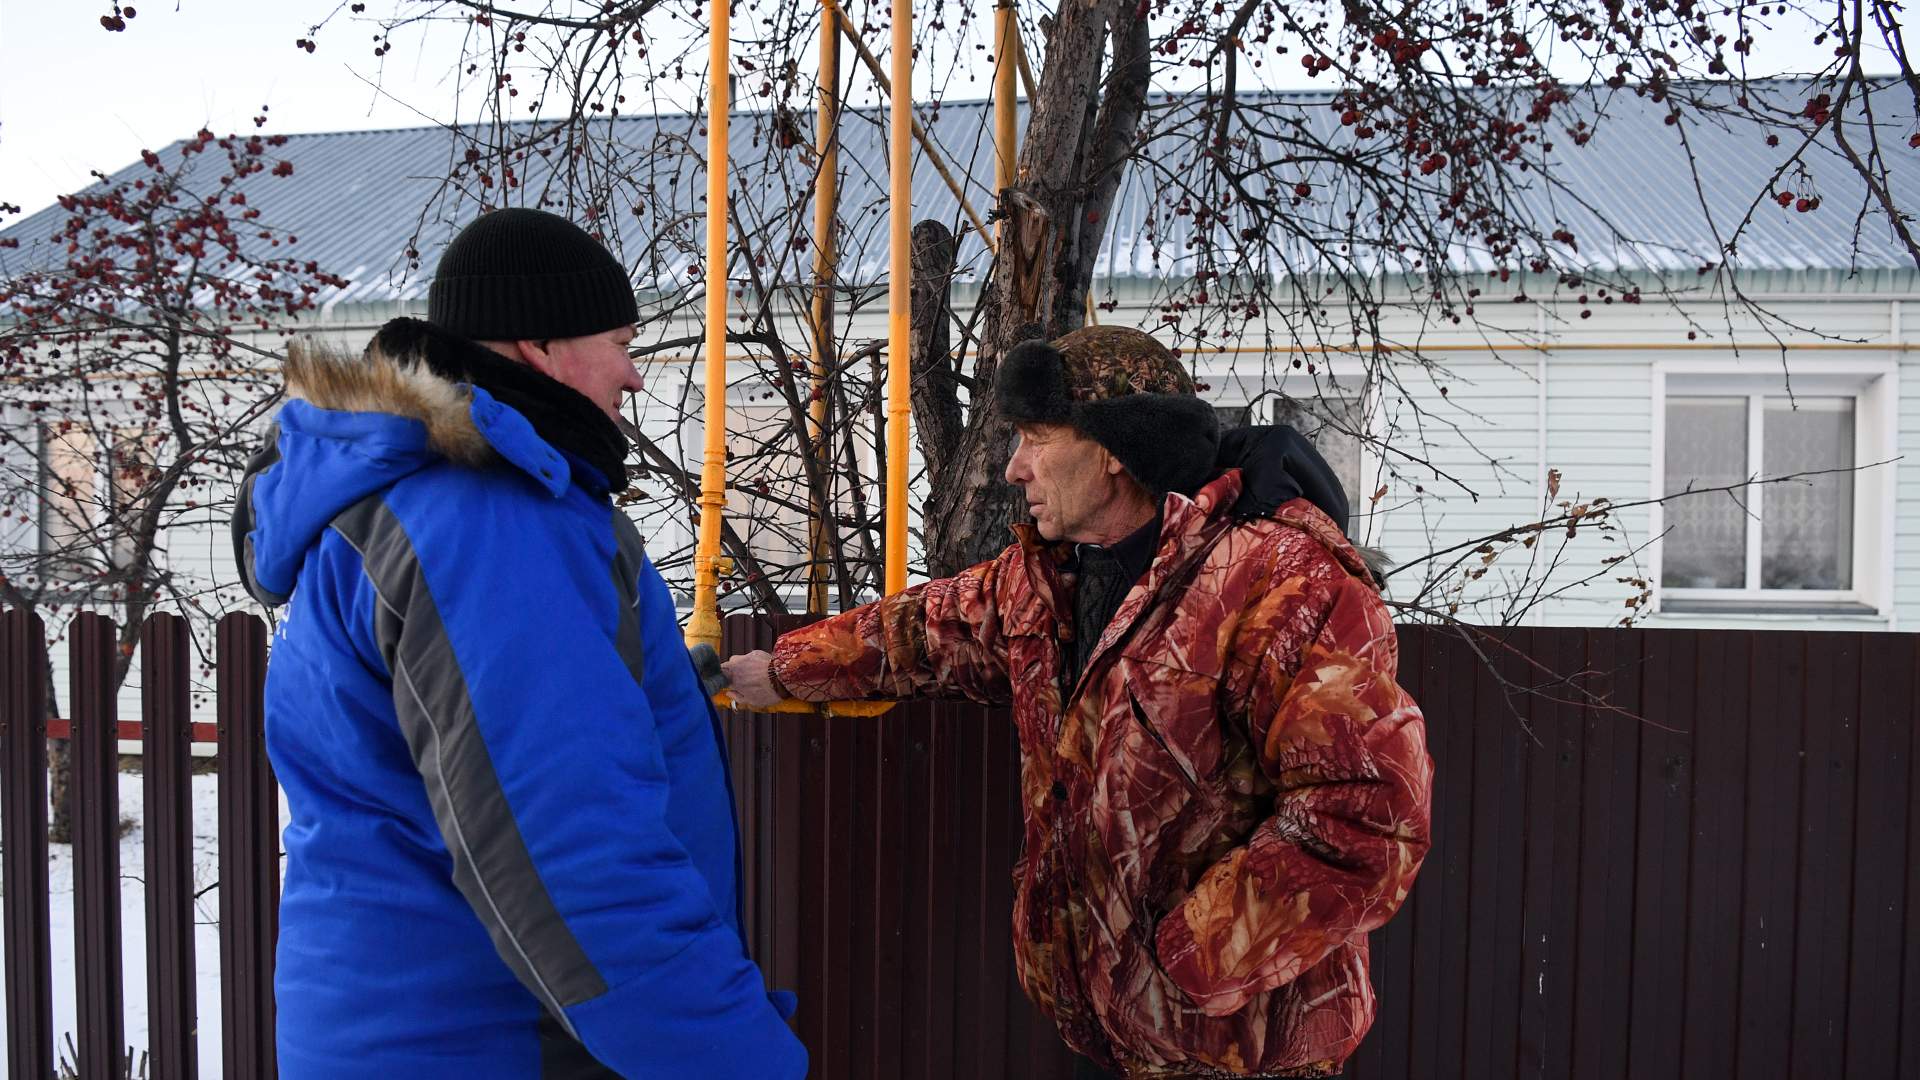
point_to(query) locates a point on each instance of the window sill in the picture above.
(1783, 608)
(1831, 616)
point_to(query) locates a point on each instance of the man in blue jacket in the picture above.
(511, 850)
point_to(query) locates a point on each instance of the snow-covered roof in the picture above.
(359, 201)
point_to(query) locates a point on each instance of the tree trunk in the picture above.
(1068, 167)
(1112, 141)
(936, 393)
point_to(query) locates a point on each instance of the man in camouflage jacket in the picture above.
(1224, 788)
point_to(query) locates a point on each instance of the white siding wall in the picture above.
(1600, 434)
(1904, 329)
(1481, 441)
(18, 470)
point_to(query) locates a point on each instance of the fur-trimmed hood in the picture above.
(330, 378)
(356, 425)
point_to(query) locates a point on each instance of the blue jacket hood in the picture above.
(355, 426)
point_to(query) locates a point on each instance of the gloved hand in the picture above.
(706, 663)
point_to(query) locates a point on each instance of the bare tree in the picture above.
(131, 383)
(1429, 181)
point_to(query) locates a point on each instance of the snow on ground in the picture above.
(133, 925)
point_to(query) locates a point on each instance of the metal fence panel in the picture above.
(93, 647)
(249, 814)
(23, 844)
(166, 705)
(1715, 873)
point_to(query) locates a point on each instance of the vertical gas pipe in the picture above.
(826, 254)
(1006, 48)
(704, 625)
(899, 294)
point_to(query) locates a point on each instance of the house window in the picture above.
(1810, 542)
(767, 494)
(89, 497)
(1231, 416)
(70, 507)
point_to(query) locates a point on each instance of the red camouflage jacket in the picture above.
(1234, 793)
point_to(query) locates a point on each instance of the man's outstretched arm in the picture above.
(943, 638)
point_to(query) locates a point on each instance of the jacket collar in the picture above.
(463, 422)
(1130, 555)
(1189, 527)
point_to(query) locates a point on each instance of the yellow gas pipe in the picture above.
(703, 626)
(826, 254)
(899, 292)
(1005, 108)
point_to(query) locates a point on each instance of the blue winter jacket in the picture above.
(509, 804)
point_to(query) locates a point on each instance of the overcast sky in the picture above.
(74, 97)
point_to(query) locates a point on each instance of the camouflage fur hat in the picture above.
(1125, 391)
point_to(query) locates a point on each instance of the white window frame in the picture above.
(1874, 386)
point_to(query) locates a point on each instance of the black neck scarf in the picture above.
(1106, 575)
(562, 415)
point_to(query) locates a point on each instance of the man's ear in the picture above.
(1114, 468)
(535, 356)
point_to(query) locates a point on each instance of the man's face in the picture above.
(1071, 481)
(597, 365)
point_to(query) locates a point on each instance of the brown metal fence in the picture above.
(1727, 885)
(249, 848)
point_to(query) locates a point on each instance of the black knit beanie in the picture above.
(527, 275)
(1125, 391)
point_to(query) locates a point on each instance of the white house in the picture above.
(1470, 429)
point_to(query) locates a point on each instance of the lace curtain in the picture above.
(1806, 526)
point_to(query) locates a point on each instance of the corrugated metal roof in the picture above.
(358, 201)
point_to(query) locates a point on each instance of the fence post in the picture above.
(91, 646)
(23, 843)
(249, 853)
(165, 699)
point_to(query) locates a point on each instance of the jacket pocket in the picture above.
(1146, 723)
